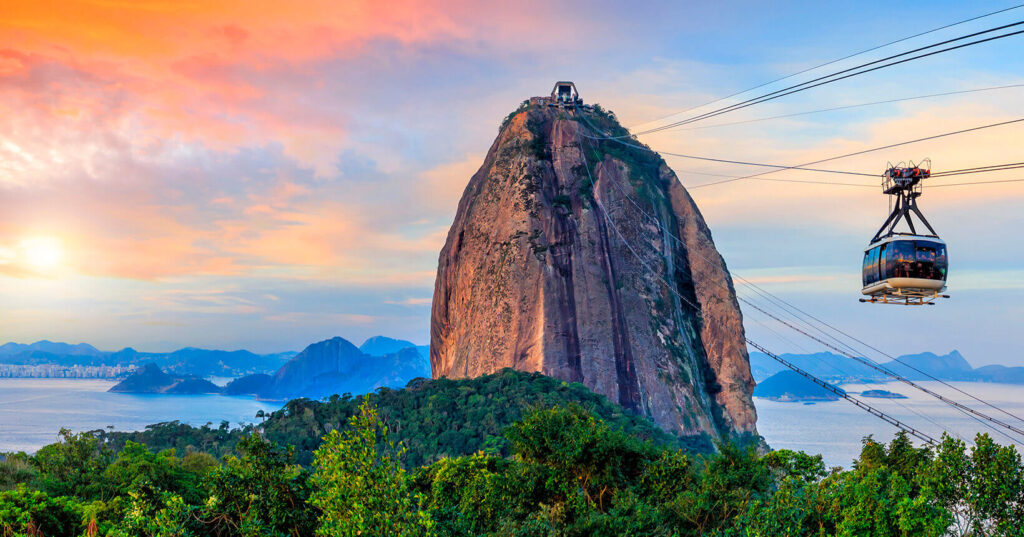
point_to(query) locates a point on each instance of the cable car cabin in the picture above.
(564, 94)
(906, 269)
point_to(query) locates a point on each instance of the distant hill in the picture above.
(50, 347)
(791, 386)
(336, 366)
(1001, 373)
(382, 345)
(821, 364)
(187, 361)
(833, 367)
(150, 379)
(249, 385)
(950, 366)
(882, 394)
(207, 363)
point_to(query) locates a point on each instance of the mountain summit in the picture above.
(534, 276)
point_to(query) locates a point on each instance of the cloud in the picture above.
(196, 158)
(339, 319)
(411, 301)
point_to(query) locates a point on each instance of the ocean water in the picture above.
(32, 411)
(835, 429)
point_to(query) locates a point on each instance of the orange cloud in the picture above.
(161, 30)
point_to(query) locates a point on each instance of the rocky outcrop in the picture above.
(151, 379)
(636, 304)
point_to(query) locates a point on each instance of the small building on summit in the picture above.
(563, 95)
(565, 92)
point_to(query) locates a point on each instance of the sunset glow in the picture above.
(42, 253)
(263, 174)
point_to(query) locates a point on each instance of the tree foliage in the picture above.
(432, 419)
(556, 470)
(360, 487)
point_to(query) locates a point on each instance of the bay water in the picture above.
(32, 411)
(836, 429)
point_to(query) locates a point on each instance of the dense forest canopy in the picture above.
(431, 418)
(560, 468)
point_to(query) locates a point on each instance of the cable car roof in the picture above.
(904, 237)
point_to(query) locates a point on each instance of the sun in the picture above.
(42, 253)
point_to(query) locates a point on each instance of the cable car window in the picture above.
(872, 273)
(864, 268)
(898, 258)
(866, 272)
(931, 261)
(880, 262)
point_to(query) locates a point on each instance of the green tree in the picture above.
(151, 512)
(362, 489)
(593, 458)
(32, 512)
(725, 484)
(73, 466)
(983, 488)
(135, 464)
(882, 495)
(262, 493)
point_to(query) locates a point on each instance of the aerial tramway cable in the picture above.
(846, 73)
(981, 169)
(855, 153)
(787, 305)
(851, 106)
(865, 51)
(725, 285)
(867, 362)
(887, 372)
(744, 163)
(979, 183)
(841, 393)
(758, 176)
(889, 419)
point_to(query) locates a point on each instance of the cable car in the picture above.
(905, 268)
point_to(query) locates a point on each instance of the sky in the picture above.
(263, 175)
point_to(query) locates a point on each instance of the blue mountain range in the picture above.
(188, 361)
(923, 366)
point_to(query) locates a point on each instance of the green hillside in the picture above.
(432, 418)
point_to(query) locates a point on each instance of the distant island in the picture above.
(791, 387)
(882, 394)
(150, 379)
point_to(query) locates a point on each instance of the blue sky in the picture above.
(269, 177)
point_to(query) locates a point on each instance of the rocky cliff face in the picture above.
(536, 277)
